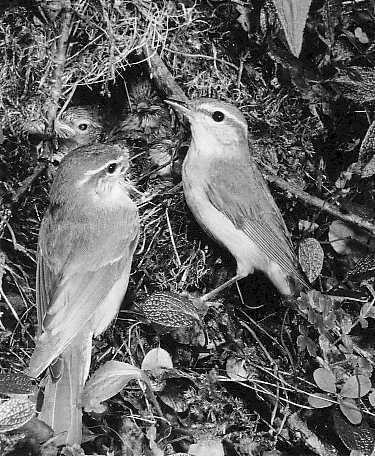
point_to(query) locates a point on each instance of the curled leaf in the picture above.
(167, 311)
(157, 358)
(106, 382)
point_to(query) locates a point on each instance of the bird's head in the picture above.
(93, 174)
(213, 122)
(81, 124)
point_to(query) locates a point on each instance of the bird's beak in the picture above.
(180, 106)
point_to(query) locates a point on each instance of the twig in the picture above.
(162, 76)
(28, 182)
(205, 57)
(59, 60)
(258, 341)
(172, 238)
(322, 205)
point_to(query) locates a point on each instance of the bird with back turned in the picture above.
(229, 197)
(86, 244)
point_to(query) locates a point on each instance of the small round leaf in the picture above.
(325, 380)
(319, 400)
(350, 410)
(356, 386)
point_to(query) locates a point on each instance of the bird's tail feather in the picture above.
(61, 408)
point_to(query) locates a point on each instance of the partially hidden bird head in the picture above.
(93, 175)
(81, 124)
(213, 122)
(145, 103)
(142, 94)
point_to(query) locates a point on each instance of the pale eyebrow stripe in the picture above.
(96, 171)
(226, 113)
(89, 173)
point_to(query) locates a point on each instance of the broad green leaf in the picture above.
(350, 410)
(356, 386)
(106, 382)
(319, 400)
(293, 15)
(325, 380)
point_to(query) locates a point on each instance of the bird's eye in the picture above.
(111, 168)
(218, 116)
(83, 126)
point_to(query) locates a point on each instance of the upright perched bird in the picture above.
(86, 245)
(146, 118)
(229, 197)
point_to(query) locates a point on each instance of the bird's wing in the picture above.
(79, 265)
(238, 190)
(45, 279)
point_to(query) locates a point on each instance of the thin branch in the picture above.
(321, 204)
(162, 76)
(56, 89)
(59, 60)
(28, 182)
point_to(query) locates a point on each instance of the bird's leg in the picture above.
(221, 287)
